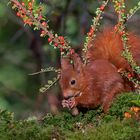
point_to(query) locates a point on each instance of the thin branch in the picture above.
(93, 29)
(133, 11)
(50, 69)
(45, 28)
(49, 85)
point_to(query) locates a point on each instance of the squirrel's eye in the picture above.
(73, 82)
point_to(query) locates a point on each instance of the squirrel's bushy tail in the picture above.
(108, 45)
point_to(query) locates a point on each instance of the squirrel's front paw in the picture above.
(72, 102)
(65, 103)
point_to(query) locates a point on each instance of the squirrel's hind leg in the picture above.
(74, 111)
(108, 99)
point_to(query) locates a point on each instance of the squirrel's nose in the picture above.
(68, 97)
(68, 94)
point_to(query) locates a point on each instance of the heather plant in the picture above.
(33, 16)
(94, 28)
(121, 28)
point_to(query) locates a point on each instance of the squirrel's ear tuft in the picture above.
(65, 63)
(78, 65)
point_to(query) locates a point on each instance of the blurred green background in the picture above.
(22, 51)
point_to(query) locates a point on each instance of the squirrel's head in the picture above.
(72, 76)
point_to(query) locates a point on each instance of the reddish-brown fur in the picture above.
(108, 45)
(98, 83)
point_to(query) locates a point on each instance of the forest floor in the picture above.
(121, 123)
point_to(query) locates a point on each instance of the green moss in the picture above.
(122, 104)
(92, 125)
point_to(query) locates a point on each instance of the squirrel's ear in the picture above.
(65, 63)
(78, 65)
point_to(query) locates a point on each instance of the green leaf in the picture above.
(50, 82)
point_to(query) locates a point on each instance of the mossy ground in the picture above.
(93, 125)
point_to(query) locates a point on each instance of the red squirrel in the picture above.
(88, 86)
(98, 82)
